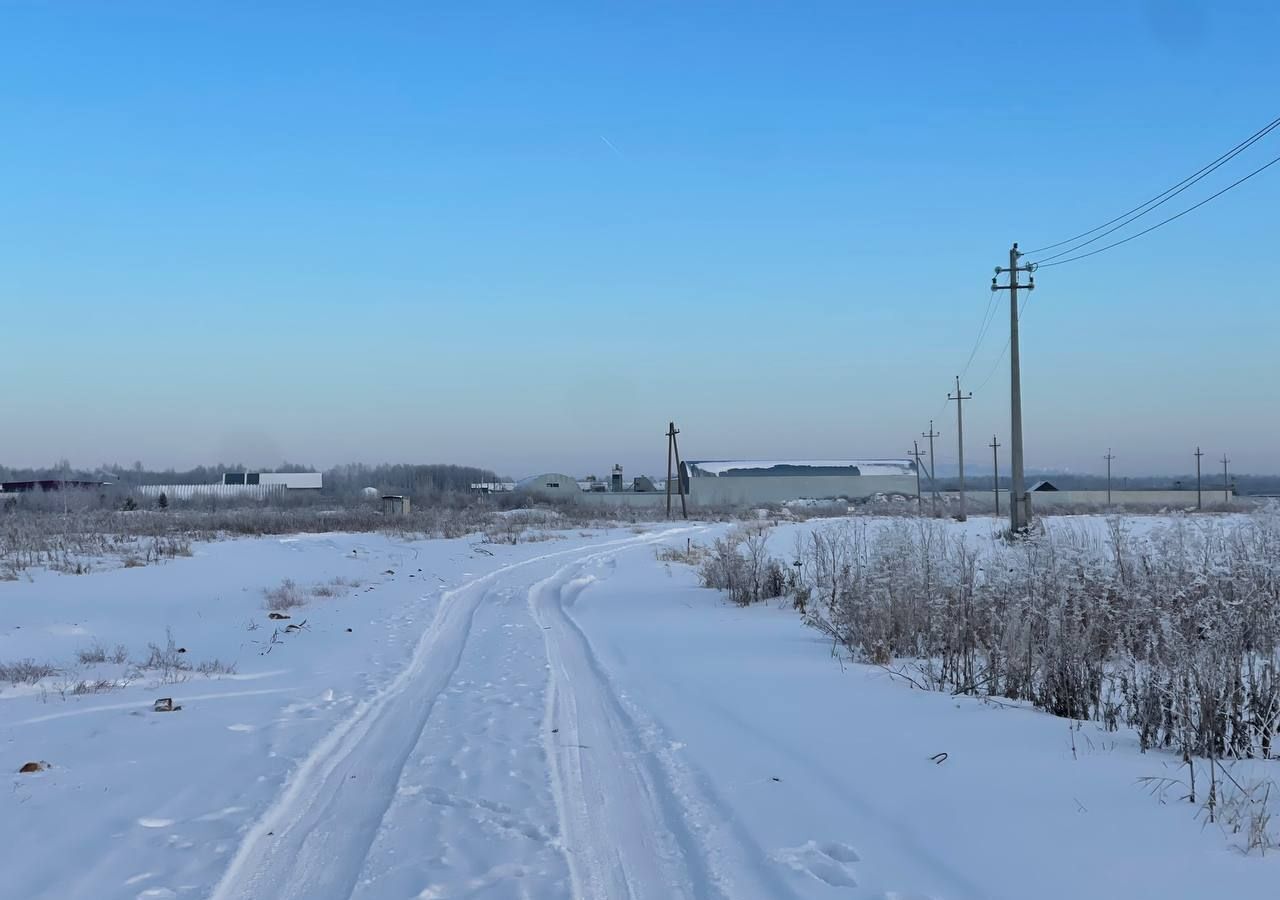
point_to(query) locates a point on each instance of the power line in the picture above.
(1166, 221)
(987, 318)
(1188, 184)
(999, 359)
(1167, 194)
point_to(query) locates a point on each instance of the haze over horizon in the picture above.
(525, 237)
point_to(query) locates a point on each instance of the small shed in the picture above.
(395, 505)
(1041, 486)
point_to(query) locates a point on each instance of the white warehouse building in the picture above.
(733, 483)
(727, 484)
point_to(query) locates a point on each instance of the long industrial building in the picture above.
(731, 483)
(723, 484)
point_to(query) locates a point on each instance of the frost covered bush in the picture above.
(1175, 633)
(36, 532)
(740, 565)
(284, 596)
(25, 671)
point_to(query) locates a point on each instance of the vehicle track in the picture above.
(634, 823)
(313, 840)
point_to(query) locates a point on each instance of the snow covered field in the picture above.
(567, 718)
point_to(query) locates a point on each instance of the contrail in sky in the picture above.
(609, 144)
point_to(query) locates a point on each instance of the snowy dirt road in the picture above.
(564, 719)
(372, 787)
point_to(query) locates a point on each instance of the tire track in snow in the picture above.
(626, 825)
(312, 842)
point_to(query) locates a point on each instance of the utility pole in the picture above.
(916, 454)
(1019, 514)
(1199, 503)
(931, 434)
(671, 450)
(995, 469)
(684, 510)
(674, 448)
(1108, 458)
(1226, 485)
(960, 398)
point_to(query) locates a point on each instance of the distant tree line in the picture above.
(419, 481)
(422, 482)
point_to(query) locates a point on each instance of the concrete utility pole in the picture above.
(916, 454)
(960, 398)
(1019, 515)
(931, 434)
(1226, 484)
(1199, 503)
(995, 471)
(1108, 458)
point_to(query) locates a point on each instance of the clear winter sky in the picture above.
(525, 235)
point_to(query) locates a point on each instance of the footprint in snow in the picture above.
(830, 862)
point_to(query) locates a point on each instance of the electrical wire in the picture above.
(1165, 195)
(987, 316)
(1154, 206)
(999, 359)
(1131, 237)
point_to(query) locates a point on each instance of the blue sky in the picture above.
(527, 235)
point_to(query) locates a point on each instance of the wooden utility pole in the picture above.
(671, 450)
(916, 453)
(1199, 502)
(995, 471)
(674, 449)
(1108, 458)
(684, 510)
(1226, 484)
(1019, 514)
(933, 489)
(960, 398)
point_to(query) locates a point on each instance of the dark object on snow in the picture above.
(182, 649)
(33, 767)
(295, 627)
(165, 704)
(776, 778)
(348, 631)
(276, 615)
(939, 758)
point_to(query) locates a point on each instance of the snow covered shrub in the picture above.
(691, 554)
(284, 596)
(169, 661)
(92, 655)
(25, 671)
(96, 654)
(725, 569)
(741, 565)
(1175, 633)
(212, 667)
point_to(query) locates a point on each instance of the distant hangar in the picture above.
(728, 483)
(713, 484)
